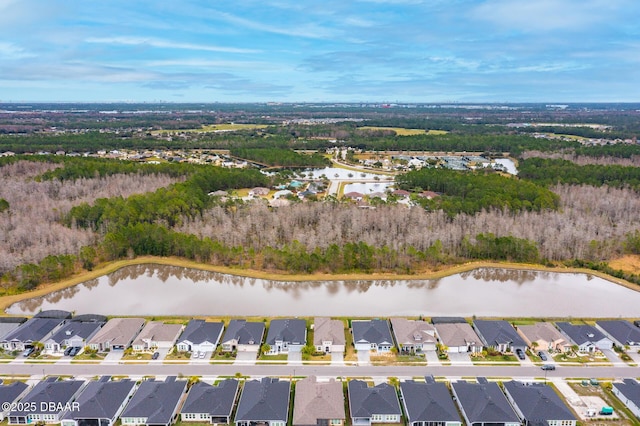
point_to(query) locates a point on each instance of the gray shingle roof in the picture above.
(495, 332)
(9, 393)
(101, 399)
(51, 390)
(622, 331)
(372, 331)
(198, 331)
(365, 401)
(538, 402)
(35, 329)
(264, 400)
(630, 389)
(245, 332)
(156, 400)
(82, 329)
(484, 402)
(428, 402)
(287, 330)
(582, 333)
(215, 400)
(53, 313)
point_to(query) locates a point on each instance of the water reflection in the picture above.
(172, 290)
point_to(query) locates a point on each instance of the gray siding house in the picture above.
(9, 394)
(155, 403)
(210, 403)
(586, 337)
(369, 405)
(33, 330)
(372, 335)
(621, 332)
(286, 335)
(537, 403)
(73, 333)
(264, 403)
(50, 392)
(499, 335)
(428, 403)
(629, 393)
(100, 403)
(200, 336)
(483, 403)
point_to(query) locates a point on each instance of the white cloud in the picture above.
(296, 30)
(11, 51)
(165, 44)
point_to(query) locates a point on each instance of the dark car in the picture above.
(520, 353)
(68, 351)
(74, 350)
(548, 367)
(155, 355)
(542, 355)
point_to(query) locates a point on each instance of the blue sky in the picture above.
(320, 51)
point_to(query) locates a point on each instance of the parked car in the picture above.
(542, 355)
(202, 354)
(155, 355)
(520, 354)
(74, 351)
(548, 367)
(28, 351)
(68, 350)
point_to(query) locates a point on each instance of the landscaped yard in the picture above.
(579, 358)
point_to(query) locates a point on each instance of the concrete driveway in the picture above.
(364, 357)
(113, 356)
(460, 358)
(337, 358)
(432, 358)
(294, 358)
(246, 357)
(614, 358)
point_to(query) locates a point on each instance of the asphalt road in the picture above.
(159, 369)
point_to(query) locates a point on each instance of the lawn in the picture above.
(402, 131)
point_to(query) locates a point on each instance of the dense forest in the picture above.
(281, 157)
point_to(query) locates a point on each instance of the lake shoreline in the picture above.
(111, 267)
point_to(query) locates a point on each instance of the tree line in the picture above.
(281, 157)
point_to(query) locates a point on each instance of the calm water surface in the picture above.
(168, 290)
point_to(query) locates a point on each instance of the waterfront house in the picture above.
(286, 335)
(200, 336)
(157, 335)
(544, 336)
(499, 335)
(458, 337)
(622, 333)
(586, 337)
(74, 333)
(328, 335)
(33, 330)
(117, 334)
(413, 336)
(243, 336)
(372, 335)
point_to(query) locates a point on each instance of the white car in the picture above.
(202, 354)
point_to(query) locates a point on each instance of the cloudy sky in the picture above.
(328, 50)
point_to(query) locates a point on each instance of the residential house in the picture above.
(428, 403)
(286, 335)
(376, 404)
(155, 403)
(34, 407)
(586, 337)
(54, 314)
(372, 335)
(538, 404)
(10, 393)
(499, 335)
(73, 333)
(483, 403)
(210, 403)
(243, 336)
(544, 336)
(622, 333)
(264, 403)
(35, 329)
(8, 324)
(200, 336)
(117, 334)
(157, 335)
(413, 336)
(318, 403)
(629, 393)
(328, 335)
(458, 337)
(100, 402)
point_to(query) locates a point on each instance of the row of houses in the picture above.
(267, 402)
(58, 330)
